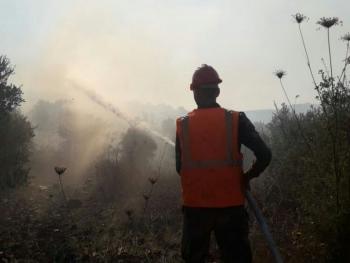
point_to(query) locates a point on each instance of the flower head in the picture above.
(152, 180)
(299, 18)
(60, 170)
(280, 73)
(346, 37)
(328, 22)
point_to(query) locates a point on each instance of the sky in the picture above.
(147, 51)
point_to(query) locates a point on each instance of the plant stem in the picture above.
(146, 201)
(66, 201)
(63, 193)
(307, 56)
(293, 110)
(325, 67)
(330, 54)
(313, 78)
(335, 137)
(345, 64)
(159, 173)
(287, 97)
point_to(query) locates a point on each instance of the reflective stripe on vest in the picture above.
(189, 163)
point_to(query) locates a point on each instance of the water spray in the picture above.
(102, 103)
(116, 112)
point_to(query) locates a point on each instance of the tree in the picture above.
(10, 95)
(15, 131)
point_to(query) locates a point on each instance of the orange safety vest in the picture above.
(211, 161)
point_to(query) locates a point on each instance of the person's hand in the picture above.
(247, 176)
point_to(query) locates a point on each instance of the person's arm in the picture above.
(178, 154)
(249, 137)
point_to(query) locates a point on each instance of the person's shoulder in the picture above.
(241, 113)
(243, 119)
(181, 118)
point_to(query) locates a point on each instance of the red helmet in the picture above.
(204, 75)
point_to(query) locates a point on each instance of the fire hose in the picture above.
(264, 227)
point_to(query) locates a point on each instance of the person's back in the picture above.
(208, 159)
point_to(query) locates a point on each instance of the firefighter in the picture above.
(209, 161)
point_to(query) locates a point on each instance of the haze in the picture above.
(147, 50)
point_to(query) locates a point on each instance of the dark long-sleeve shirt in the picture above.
(247, 136)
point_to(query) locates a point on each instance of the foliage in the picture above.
(41, 231)
(10, 94)
(15, 131)
(311, 167)
(122, 168)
